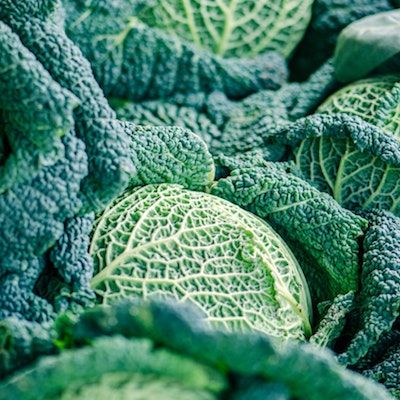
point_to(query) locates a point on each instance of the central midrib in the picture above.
(228, 28)
(191, 22)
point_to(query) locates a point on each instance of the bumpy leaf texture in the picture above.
(32, 218)
(162, 113)
(21, 342)
(65, 281)
(357, 163)
(237, 140)
(161, 240)
(137, 62)
(105, 141)
(233, 28)
(247, 125)
(387, 371)
(35, 112)
(379, 298)
(331, 325)
(17, 293)
(236, 131)
(328, 234)
(168, 154)
(33, 214)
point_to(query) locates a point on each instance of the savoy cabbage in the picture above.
(65, 154)
(134, 61)
(233, 28)
(352, 142)
(79, 156)
(164, 240)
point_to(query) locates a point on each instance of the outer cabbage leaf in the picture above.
(331, 325)
(32, 217)
(167, 114)
(303, 98)
(65, 280)
(233, 28)
(35, 111)
(164, 240)
(387, 371)
(306, 371)
(17, 297)
(354, 161)
(133, 61)
(115, 367)
(377, 352)
(169, 155)
(236, 131)
(379, 298)
(43, 34)
(313, 221)
(292, 100)
(32, 214)
(249, 125)
(235, 138)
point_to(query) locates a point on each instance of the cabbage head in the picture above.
(370, 100)
(166, 241)
(351, 148)
(242, 28)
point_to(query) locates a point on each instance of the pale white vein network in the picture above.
(163, 240)
(234, 28)
(353, 177)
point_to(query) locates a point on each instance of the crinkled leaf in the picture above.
(331, 325)
(165, 154)
(380, 285)
(35, 112)
(95, 124)
(134, 61)
(21, 341)
(387, 371)
(168, 114)
(311, 219)
(357, 163)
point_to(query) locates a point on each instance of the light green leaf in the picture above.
(234, 28)
(166, 241)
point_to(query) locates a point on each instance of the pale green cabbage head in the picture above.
(236, 28)
(358, 164)
(163, 240)
(375, 100)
